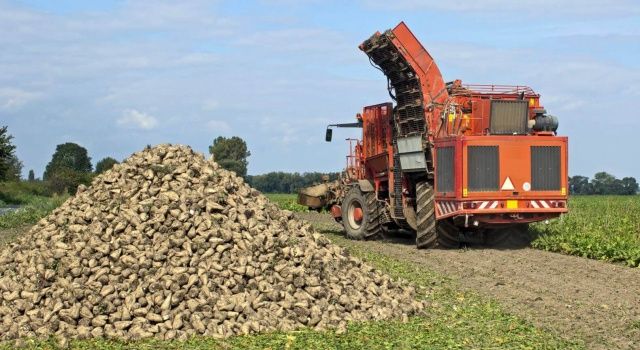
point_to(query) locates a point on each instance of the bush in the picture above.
(66, 180)
(22, 192)
(38, 208)
(105, 164)
(287, 201)
(281, 182)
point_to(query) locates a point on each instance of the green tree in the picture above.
(281, 182)
(68, 156)
(69, 167)
(32, 175)
(231, 154)
(105, 164)
(10, 165)
(579, 185)
(67, 180)
(603, 183)
(15, 169)
(629, 185)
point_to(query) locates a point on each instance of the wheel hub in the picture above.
(355, 214)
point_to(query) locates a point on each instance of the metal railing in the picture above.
(354, 163)
(499, 89)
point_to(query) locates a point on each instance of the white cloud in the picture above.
(548, 7)
(219, 126)
(210, 105)
(12, 98)
(198, 58)
(632, 90)
(263, 73)
(298, 40)
(564, 103)
(135, 119)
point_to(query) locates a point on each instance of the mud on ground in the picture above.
(596, 301)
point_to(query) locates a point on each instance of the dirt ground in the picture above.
(596, 301)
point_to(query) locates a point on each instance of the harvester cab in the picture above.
(450, 161)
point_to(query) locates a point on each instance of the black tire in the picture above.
(432, 234)
(448, 234)
(375, 229)
(369, 226)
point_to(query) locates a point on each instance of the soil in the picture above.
(595, 301)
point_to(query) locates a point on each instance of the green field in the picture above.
(597, 227)
(287, 201)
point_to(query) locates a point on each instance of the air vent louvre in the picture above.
(509, 117)
(483, 168)
(545, 168)
(445, 169)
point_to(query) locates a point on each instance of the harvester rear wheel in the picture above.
(430, 233)
(361, 215)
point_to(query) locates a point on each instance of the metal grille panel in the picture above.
(397, 187)
(545, 168)
(445, 170)
(410, 116)
(483, 168)
(509, 117)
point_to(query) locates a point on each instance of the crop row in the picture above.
(596, 227)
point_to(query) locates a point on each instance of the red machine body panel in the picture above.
(514, 193)
(377, 145)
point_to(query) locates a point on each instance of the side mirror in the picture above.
(328, 135)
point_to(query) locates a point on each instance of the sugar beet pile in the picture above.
(169, 245)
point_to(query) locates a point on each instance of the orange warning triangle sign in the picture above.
(507, 185)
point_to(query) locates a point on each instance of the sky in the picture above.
(114, 76)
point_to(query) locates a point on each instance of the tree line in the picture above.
(282, 182)
(71, 166)
(603, 184)
(232, 153)
(10, 165)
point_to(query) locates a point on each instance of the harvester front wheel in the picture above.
(361, 215)
(430, 233)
